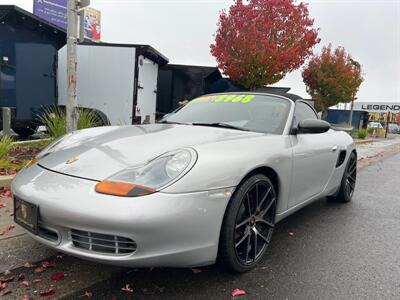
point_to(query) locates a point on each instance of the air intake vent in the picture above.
(341, 158)
(102, 243)
(47, 234)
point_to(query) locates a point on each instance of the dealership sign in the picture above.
(380, 107)
(55, 12)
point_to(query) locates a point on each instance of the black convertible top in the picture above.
(280, 92)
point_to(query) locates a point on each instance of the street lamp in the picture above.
(357, 66)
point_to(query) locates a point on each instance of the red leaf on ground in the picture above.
(26, 283)
(21, 276)
(11, 226)
(16, 161)
(196, 271)
(2, 232)
(2, 205)
(127, 288)
(3, 285)
(47, 293)
(88, 294)
(238, 292)
(57, 276)
(25, 297)
(6, 194)
(37, 280)
(290, 233)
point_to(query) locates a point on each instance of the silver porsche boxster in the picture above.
(208, 183)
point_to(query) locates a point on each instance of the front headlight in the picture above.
(154, 176)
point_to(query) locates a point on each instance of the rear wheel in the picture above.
(348, 183)
(248, 224)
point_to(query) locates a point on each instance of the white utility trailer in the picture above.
(117, 80)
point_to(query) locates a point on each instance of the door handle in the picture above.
(334, 148)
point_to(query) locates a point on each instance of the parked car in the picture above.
(209, 182)
(375, 125)
(393, 128)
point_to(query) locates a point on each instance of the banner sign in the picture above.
(55, 12)
(52, 11)
(92, 25)
(379, 107)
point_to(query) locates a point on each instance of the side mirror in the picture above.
(313, 126)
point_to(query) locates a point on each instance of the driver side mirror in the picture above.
(312, 126)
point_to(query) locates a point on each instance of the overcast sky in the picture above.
(183, 30)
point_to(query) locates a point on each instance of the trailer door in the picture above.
(147, 90)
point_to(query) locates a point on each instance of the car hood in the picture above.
(98, 153)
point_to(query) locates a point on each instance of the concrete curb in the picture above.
(361, 142)
(5, 181)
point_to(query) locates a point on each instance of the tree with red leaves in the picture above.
(258, 43)
(332, 77)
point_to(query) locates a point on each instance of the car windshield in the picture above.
(259, 113)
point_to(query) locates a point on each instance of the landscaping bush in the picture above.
(55, 120)
(5, 145)
(362, 134)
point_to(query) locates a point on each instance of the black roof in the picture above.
(280, 91)
(16, 15)
(145, 50)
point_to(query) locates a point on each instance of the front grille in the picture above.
(47, 234)
(102, 243)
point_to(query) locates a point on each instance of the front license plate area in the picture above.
(26, 215)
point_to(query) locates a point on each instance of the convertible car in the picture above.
(208, 183)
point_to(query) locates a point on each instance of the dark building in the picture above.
(182, 82)
(341, 117)
(28, 65)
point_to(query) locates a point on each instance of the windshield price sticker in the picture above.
(225, 99)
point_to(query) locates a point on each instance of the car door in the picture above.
(314, 158)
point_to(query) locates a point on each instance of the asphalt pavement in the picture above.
(325, 251)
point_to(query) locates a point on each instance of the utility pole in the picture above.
(74, 8)
(357, 66)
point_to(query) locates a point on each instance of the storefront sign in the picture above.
(380, 107)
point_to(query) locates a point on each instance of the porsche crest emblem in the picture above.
(71, 160)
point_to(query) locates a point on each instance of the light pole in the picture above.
(74, 8)
(357, 66)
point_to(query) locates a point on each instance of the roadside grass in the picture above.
(5, 145)
(55, 120)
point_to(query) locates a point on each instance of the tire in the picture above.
(348, 183)
(24, 132)
(248, 224)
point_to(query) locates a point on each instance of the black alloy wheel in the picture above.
(348, 183)
(248, 224)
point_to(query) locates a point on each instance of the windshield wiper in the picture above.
(220, 125)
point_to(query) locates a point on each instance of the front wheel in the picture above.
(248, 224)
(348, 183)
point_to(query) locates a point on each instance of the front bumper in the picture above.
(170, 230)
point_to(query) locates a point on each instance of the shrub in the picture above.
(55, 120)
(5, 145)
(362, 134)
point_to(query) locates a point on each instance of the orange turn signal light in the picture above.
(123, 189)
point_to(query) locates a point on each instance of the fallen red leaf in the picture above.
(57, 276)
(47, 293)
(26, 283)
(25, 297)
(2, 205)
(6, 194)
(37, 280)
(11, 226)
(127, 288)
(88, 294)
(196, 271)
(2, 232)
(21, 276)
(238, 292)
(3, 285)
(45, 264)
